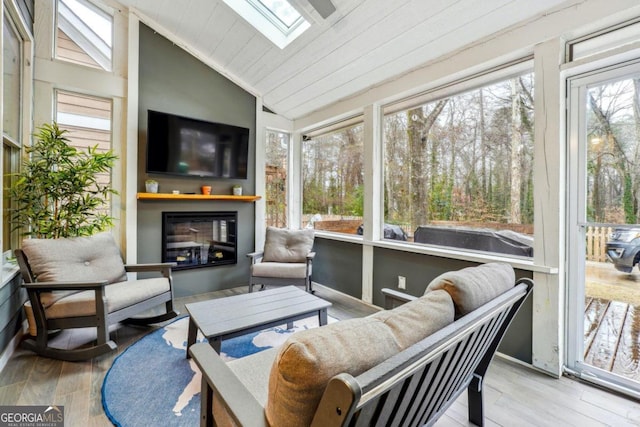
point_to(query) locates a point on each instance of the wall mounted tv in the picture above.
(185, 146)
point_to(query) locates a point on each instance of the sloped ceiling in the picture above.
(361, 44)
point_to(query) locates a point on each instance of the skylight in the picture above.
(277, 20)
(281, 9)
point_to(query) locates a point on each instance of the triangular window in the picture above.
(85, 34)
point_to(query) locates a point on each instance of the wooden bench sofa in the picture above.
(402, 367)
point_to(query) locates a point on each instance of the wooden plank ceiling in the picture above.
(363, 43)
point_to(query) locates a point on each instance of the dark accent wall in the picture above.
(420, 269)
(338, 265)
(171, 80)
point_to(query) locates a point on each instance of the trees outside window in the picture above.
(277, 159)
(463, 161)
(333, 179)
(613, 152)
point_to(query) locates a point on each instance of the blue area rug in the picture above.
(153, 384)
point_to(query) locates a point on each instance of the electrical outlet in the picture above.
(402, 282)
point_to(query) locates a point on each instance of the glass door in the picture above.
(603, 230)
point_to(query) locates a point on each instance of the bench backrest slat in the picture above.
(416, 386)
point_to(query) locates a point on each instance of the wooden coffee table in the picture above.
(223, 318)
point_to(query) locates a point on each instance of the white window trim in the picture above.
(613, 64)
(478, 80)
(268, 121)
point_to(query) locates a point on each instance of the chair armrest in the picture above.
(255, 256)
(140, 268)
(240, 403)
(393, 298)
(65, 286)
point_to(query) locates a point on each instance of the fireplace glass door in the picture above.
(199, 239)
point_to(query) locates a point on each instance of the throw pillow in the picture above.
(88, 258)
(283, 245)
(472, 287)
(309, 359)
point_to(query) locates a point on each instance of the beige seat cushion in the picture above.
(77, 259)
(309, 359)
(283, 245)
(418, 319)
(118, 295)
(472, 287)
(293, 270)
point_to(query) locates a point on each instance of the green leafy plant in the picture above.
(58, 192)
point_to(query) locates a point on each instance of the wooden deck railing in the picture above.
(596, 242)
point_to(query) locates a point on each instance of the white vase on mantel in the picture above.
(151, 186)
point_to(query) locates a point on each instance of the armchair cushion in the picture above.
(75, 259)
(283, 245)
(118, 296)
(294, 270)
(472, 287)
(309, 359)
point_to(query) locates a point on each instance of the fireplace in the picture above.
(199, 239)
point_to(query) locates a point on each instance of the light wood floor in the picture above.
(514, 395)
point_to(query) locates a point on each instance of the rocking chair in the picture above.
(81, 282)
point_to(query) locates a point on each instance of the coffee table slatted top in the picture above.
(224, 318)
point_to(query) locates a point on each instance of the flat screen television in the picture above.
(190, 147)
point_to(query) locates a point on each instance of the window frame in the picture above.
(15, 140)
(287, 183)
(104, 13)
(328, 129)
(9, 268)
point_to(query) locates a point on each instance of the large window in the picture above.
(88, 122)
(458, 170)
(277, 156)
(11, 81)
(12, 104)
(333, 178)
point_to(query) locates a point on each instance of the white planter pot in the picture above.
(151, 187)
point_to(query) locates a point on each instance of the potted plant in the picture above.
(237, 190)
(151, 186)
(58, 192)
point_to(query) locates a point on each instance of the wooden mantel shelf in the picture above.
(219, 197)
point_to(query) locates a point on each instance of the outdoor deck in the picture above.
(612, 333)
(612, 320)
